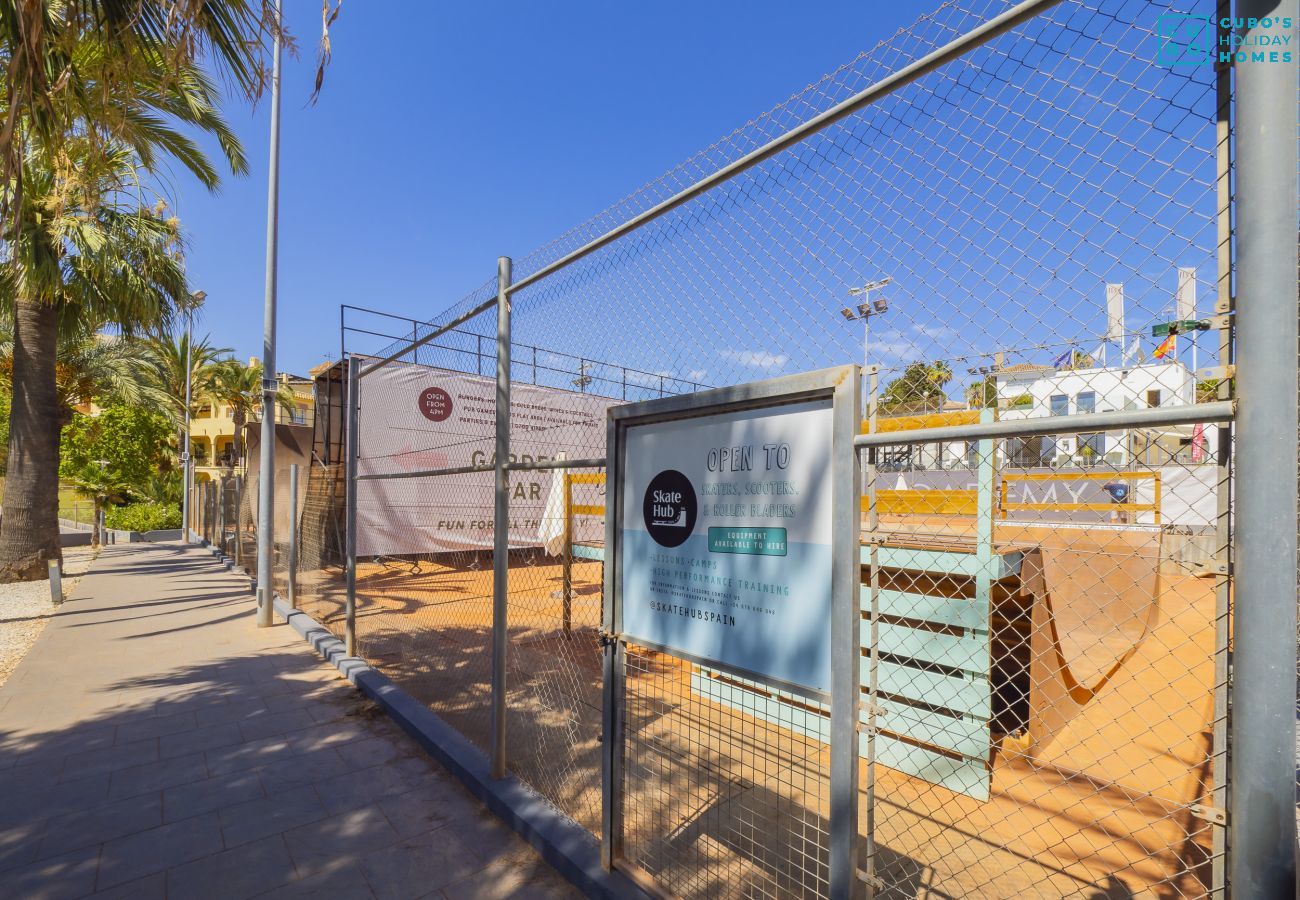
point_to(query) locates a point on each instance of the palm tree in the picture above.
(982, 394)
(918, 389)
(66, 64)
(50, 89)
(171, 354)
(93, 367)
(240, 387)
(86, 241)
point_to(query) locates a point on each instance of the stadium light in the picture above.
(867, 309)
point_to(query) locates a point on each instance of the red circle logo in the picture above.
(435, 404)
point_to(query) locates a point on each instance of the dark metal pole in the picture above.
(1261, 819)
(266, 475)
(501, 524)
(292, 587)
(350, 484)
(613, 667)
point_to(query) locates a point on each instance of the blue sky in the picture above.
(450, 133)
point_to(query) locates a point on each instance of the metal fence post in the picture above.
(1261, 786)
(846, 647)
(872, 374)
(56, 582)
(238, 549)
(350, 478)
(501, 522)
(221, 515)
(292, 567)
(613, 667)
(566, 564)
(1221, 559)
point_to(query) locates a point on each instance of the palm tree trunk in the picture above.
(29, 527)
(94, 531)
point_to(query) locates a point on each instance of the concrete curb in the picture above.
(563, 843)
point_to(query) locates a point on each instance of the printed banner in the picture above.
(413, 418)
(726, 539)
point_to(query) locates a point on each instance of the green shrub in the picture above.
(143, 517)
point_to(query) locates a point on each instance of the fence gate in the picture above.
(732, 615)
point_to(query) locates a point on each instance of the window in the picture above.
(1092, 448)
(1031, 452)
(1022, 451)
(1086, 401)
(1059, 404)
(1046, 450)
(1153, 399)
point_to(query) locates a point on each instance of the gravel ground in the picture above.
(26, 607)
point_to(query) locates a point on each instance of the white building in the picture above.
(1027, 391)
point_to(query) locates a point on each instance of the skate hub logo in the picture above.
(670, 508)
(435, 404)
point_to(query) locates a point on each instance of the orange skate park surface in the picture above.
(1093, 799)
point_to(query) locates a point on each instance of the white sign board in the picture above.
(1186, 296)
(414, 418)
(1115, 313)
(725, 538)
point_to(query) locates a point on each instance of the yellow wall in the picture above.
(212, 431)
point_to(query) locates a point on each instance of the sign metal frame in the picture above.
(842, 386)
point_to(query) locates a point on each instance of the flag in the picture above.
(1064, 358)
(1166, 347)
(1198, 442)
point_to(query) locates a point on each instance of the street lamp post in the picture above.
(187, 466)
(266, 469)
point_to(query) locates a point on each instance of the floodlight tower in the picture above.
(584, 376)
(866, 309)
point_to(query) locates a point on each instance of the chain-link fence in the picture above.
(1018, 220)
(220, 513)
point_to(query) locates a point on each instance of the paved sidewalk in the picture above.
(156, 743)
